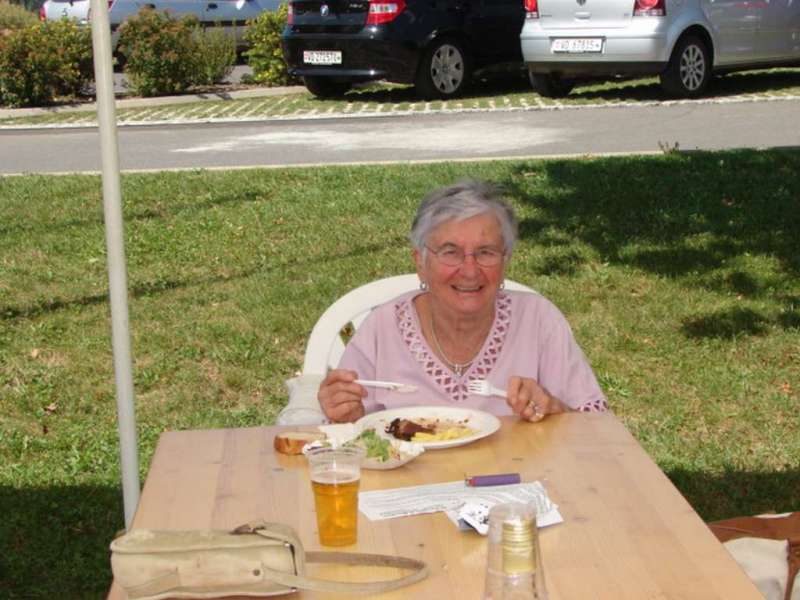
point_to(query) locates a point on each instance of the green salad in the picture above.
(376, 446)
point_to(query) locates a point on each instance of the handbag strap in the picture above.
(419, 571)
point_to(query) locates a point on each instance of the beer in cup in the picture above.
(335, 473)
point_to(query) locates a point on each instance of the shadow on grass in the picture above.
(725, 221)
(614, 90)
(649, 90)
(738, 493)
(727, 324)
(489, 87)
(55, 540)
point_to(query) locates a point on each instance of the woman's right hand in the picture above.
(340, 398)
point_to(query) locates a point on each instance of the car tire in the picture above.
(444, 70)
(550, 86)
(689, 69)
(324, 87)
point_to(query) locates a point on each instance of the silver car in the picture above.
(77, 10)
(229, 15)
(684, 42)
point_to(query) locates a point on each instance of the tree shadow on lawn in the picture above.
(605, 90)
(55, 540)
(738, 493)
(701, 218)
(493, 84)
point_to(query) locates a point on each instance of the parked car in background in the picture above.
(435, 44)
(684, 42)
(230, 15)
(77, 10)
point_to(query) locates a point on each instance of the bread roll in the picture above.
(292, 442)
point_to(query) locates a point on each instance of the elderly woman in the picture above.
(461, 325)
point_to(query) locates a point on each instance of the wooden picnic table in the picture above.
(627, 532)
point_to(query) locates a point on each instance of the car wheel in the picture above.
(323, 87)
(689, 68)
(550, 86)
(444, 70)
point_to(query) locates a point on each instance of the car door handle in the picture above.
(212, 5)
(152, 6)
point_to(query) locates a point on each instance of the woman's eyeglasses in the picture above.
(453, 256)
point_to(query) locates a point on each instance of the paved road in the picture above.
(450, 136)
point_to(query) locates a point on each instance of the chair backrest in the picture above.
(325, 346)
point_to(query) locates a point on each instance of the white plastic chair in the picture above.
(325, 346)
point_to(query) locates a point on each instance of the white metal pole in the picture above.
(115, 249)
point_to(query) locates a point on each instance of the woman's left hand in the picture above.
(530, 401)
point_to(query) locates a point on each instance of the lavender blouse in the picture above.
(529, 338)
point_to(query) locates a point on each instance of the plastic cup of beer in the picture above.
(335, 474)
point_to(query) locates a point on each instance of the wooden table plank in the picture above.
(627, 533)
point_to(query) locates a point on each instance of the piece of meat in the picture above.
(404, 429)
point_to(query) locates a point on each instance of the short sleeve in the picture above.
(563, 369)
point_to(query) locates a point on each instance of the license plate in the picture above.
(322, 57)
(577, 45)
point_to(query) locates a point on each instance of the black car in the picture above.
(435, 44)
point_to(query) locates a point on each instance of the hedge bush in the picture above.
(44, 62)
(265, 56)
(13, 16)
(216, 56)
(160, 52)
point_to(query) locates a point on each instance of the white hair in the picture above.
(463, 200)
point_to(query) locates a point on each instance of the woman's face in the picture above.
(467, 289)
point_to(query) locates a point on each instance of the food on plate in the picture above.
(376, 446)
(440, 435)
(406, 429)
(380, 449)
(377, 450)
(428, 430)
(292, 442)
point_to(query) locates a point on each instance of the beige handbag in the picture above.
(767, 547)
(257, 559)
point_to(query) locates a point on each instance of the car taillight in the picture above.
(42, 16)
(531, 9)
(290, 14)
(383, 12)
(649, 8)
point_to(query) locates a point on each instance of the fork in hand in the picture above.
(483, 388)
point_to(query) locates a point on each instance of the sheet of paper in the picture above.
(467, 507)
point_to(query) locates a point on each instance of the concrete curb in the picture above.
(10, 113)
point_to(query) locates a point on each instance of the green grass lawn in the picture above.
(679, 273)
